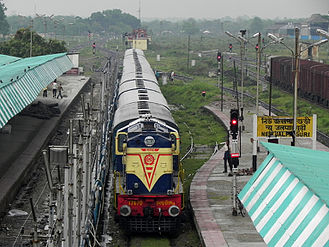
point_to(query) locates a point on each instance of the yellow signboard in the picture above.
(277, 126)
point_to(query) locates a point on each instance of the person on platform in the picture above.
(227, 156)
(44, 93)
(157, 75)
(55, 88)
(60, 90)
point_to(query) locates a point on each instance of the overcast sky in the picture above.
(208, 9)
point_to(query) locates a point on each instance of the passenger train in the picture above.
(148, 175)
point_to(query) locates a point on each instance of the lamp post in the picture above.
(259, 54)
(242, 42)
(296, 55)
(258, 69)
(322, 33)
(31, 43)
(44, 17)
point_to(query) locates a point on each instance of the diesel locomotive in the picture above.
(148, 175)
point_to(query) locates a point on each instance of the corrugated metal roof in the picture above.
(287, 197)
(4, 59)
(21, 81)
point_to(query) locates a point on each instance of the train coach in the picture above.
(148, 176)
(313, 82)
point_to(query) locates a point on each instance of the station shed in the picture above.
(287, 197)
(5, 59)
(22, 79)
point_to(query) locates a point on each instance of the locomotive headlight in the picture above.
(149, 141)
(125, 210)
(173, 211)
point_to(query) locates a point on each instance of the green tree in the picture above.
(190, 26)
(256, 25)
(4, 26)
(19, 46)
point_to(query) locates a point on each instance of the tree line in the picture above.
(109, 23)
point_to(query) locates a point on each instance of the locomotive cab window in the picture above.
(121, 142)
(148, 126)
(175, 145)
(173, 141)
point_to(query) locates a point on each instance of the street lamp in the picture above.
(31, 38)
(323, 33)
(259, 53)
(258, 68)
(243, 41)
(44, 17)
(295, 54)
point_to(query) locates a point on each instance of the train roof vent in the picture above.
(141, 97)
(142, 91)
(138, 68)
(140, 83)
(143, 112)
(143, 105)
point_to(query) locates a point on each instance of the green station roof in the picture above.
(21, 80)
(4, 59)
(310, 166)
(287, 197)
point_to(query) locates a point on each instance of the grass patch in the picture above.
(156, 241)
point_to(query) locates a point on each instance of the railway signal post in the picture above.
(234, 129)
(221, 73)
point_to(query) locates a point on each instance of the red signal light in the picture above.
(234, 122)
(219, 56)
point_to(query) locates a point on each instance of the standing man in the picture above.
(54, 88)
(60, 90)
(227, 156)
(45, 92)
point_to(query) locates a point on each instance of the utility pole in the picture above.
(296, 84)
(31, 38)
(35, 241)
(222, 91)
(188, 52)
(258, 71)
(139, 13)
(63, 32)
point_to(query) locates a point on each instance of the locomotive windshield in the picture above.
(147, 126)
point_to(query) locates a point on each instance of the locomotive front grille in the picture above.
(145, 224)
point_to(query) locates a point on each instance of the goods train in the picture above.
(313, 82)
(148, 187)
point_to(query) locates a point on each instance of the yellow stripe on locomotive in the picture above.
(149, 164)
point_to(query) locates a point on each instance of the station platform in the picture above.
(211, 189)
(24, 136)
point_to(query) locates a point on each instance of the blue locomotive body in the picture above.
(148, 187)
